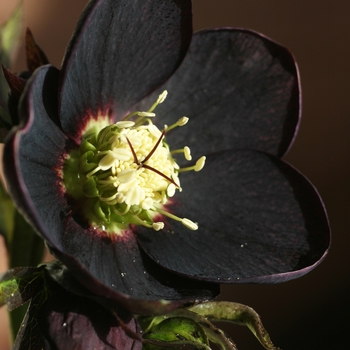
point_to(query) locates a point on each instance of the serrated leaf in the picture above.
(236, 313)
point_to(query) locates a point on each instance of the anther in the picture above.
(158, 226)
(189, 224)
(146, 114)
(200, 164)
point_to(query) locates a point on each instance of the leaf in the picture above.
(236, 313)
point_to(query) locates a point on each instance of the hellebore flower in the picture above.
(95, 173)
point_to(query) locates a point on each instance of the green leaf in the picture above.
(238, 314)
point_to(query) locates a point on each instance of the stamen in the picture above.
(160, 100)
(197, 167)
(186, 222)
(141, 114)
(186, 151)
(125, 124)
(189, 224)
(181, 122)
(200, 164)
(146, 114)
(155, 225)
(158, 226)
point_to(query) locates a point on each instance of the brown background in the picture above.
(309, 313)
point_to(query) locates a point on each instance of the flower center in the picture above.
(125, 173)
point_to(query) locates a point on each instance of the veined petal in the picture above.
(239, 90)
(120, 52)
(259, 221)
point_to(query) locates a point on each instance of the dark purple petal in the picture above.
(121, 51)
(33, 153)
(239, 89)
(106, 265)
(259, 221)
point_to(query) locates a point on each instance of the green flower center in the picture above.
(125, 173)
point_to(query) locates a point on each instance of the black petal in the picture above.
(121, 51)
(259, 221)
(239, 89)
(33, 153)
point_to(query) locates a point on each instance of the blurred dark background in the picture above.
(311, 312)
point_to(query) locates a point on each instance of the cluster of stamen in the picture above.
(128, 172)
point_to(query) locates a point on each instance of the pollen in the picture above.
(126, 172)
